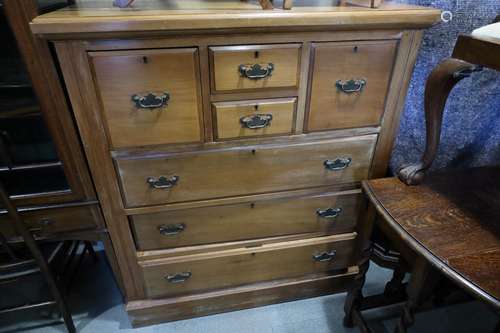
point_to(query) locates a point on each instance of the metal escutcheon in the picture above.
(256, 71)
(256, 121)
(325, 256)
(338, 163)
(329, 213)
(171, 229)
(162, 182)
(151, 100)
(350, 86)
(178, 277)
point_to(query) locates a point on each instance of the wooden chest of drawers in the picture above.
(227, 146)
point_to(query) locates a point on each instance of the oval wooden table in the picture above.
(452, 223)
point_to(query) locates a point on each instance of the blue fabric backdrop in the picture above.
(471, 133)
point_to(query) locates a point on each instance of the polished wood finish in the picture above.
(249, 220)
(253, 169)
(176, 308)
(439, 85)
(447, 225)
(49, 221)
(469, 56)
(179, 15)
(334, 64)
(123, 74)
(78, 79)
(227, 59)
(478, 52)
(242, 266)
(221, 176)
(228, 117)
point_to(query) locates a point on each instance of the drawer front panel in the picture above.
(254, 118)
(327, 213)
(250, 67)
(246, 170)
(349, 85)
(241, 266)
(149, 97)
(49, 221)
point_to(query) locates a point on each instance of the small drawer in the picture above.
(49, 221)
(149, 97)
(224, 172)
(254, 118)
(254, 67)
(350, 81)
(327, 213)
(236, 267)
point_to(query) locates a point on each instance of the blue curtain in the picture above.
(471, 130)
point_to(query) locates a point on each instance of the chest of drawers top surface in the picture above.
(100, 17)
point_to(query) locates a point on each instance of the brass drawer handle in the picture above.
(256, 121)
(256, 71)
(329, 213)
(325, 256)
(162, 182)
(171, 229)
(338, 163)
(151, 100)
(350, 86)
(178, 277)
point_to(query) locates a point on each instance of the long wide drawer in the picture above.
(327, 213)
(229, 268)
(216, 173)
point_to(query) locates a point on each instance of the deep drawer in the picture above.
(350, 81)
(254, 118)
(326, 213)
(207, 271)
(255, 67)
(149, 97)
(206, 174)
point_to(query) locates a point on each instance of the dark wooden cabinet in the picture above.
(41, 161)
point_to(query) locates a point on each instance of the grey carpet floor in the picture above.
(96, 305)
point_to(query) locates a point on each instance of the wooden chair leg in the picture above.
(40, 260)
(287, 4)
(420, 287)
(266, 4)
(90, 250)
(396, 283)
(355, 295)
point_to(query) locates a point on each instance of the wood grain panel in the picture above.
(332, 108)
(206, 174)
(227, 59)
(246, 221)
(146, 312)
(229, 114)
(242, 266)
(121, 74)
